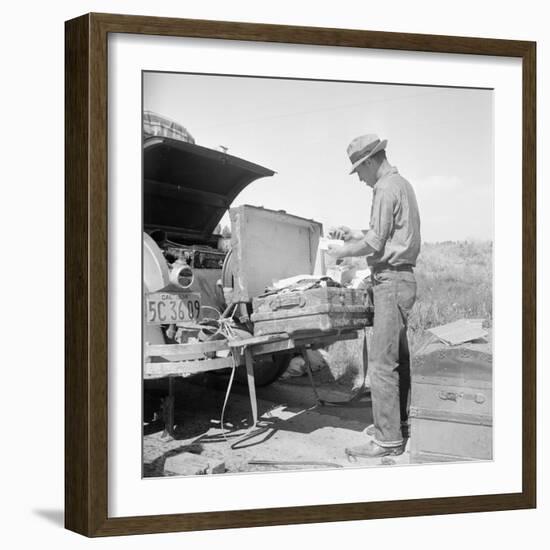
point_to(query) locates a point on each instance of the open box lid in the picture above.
(188, 188)
(269, 245)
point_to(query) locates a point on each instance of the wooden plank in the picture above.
(285, 340)
(168, 350)
(254, 340)
(292, 343)
(251, 385)
(184, 368)
(325, 339)
(273, 347)
(173, 357)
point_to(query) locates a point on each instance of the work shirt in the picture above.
(394, 229)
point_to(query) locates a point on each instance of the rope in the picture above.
(226, 329)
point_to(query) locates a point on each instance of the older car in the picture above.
(187, 189)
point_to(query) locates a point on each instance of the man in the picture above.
(392, 245)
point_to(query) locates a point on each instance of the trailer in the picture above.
(196, 358)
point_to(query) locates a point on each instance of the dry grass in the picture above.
(454, 282)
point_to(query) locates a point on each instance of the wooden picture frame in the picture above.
(86, 424)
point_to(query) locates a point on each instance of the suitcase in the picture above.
(451, 413)
(311, 311)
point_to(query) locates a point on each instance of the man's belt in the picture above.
(387, 267)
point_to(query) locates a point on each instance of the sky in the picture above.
(440, 140)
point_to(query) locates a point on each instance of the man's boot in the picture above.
(373, 450)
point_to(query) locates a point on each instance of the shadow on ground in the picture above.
(199, 404)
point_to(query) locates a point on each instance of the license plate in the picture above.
(166, 308)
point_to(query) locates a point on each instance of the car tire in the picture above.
(267, 369)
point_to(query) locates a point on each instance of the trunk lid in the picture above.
(188, 188)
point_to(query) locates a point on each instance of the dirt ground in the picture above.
(291, 427)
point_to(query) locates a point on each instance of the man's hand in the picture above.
(344, 233)
(336, 251)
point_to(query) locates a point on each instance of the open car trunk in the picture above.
(188, 188)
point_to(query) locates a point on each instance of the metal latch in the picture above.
(478, 398)
(448, 395)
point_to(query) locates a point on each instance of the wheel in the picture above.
(267, 369)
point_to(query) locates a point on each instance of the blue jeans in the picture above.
(394, 294)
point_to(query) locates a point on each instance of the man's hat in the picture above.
(363, 147)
